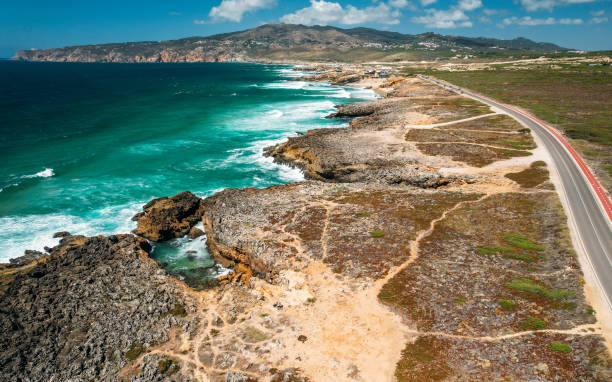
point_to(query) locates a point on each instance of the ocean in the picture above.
(84, 146)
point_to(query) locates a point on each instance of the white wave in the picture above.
(295, 85)
(9, 185)
(46, 173)
(289, 73)
(18, 233)
(253, 154)
(362, 93)
(275, 113)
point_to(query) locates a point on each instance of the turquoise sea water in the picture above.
(83, 146)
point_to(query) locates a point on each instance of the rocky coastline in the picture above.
(427, 243)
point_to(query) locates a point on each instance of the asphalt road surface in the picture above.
(589, 207)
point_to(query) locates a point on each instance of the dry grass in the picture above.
(531, 177)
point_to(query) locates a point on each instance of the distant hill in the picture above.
(288, 42)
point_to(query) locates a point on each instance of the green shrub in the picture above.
(507, 304)
(134, 351)
(460, 300)
(377, 234)
(167, 366)
(533, 323)
(520, 241)
(529, 286)
(520, 256)
(515, 145)
(493, 250)
(178, 310)
(363, 214)
(560, 347)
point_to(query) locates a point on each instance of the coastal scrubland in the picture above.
(574, 97)
(427, 243)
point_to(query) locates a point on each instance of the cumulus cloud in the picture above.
(548, 5)
(597, 13)
(453, 17)
(427, 2)
(530, 21)
(399, 3)
(469, 5)
(450, 18)
(233, 10)
(326, 12)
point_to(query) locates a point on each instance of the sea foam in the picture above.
(46, 173)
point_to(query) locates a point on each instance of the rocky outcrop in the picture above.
(27, 258)
(335, 78)
(93, 306)
(167, 218)
(342, 155)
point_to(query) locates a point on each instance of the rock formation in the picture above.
(92, 306)
(167, 218)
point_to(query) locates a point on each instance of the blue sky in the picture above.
(24, 24)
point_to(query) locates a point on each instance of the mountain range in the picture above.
(289, 42)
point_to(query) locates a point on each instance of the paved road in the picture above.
(589, 207)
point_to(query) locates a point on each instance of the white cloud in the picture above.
(326, 12)
(469, 5)
(530, 21)
(427, 2)
(199, 22)
(548, 5)
(451, 18)
(174, 13)
(597, 13)
(399, 3)
(598, 20)
(454, 17)
(233, 10)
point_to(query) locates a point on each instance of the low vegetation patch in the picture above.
(134, 351)
(377, 234)
(520, 241)
(507, 304)
(533, 176)
(168, 366)
(520, 256)
(533, 323)
(493, 250)
(560, 347)
(423, 360)
(516, 145)
(471, 154)
(178, 311)
(255, 335)
(499, 122)
(530, 287)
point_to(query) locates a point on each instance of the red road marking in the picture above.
(599, 191)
